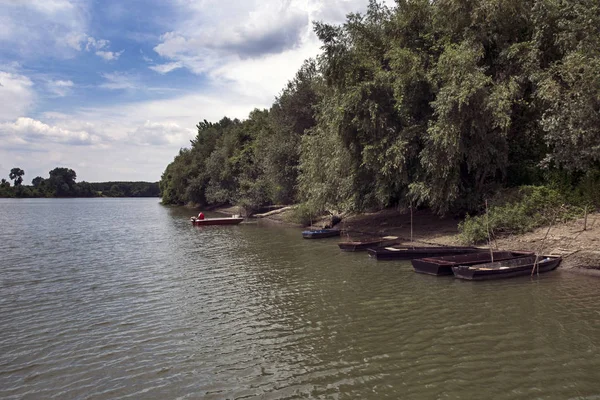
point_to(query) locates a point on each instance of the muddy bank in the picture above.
(580, 249)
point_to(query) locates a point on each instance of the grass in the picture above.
(518, 211)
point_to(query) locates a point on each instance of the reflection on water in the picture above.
(106, 298)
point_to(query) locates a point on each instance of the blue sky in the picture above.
(114, 88)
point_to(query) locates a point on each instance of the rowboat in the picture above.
(320, 234)
(367, 244)
(409, 253)
(443, 265)
(507, 268)
(216, 221)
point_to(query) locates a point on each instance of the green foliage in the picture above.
(16, 174)
(61, 183)
(302, 214)
(443, 103)
(518, 211)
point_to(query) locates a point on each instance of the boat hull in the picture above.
(442, 266)
(365, 245)
(216, 221)
(320, 234)
(409, 253)
(506, 269)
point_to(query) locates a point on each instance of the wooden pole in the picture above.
(411, 222)
(537, 256)
(585, 218)
(487, 223)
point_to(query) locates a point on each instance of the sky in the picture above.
(114, 88)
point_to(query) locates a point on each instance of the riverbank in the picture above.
(580, 249)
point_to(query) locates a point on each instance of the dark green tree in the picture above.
(37, 181)
(62, 182)
(16, 174)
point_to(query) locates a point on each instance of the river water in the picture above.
(123, 298)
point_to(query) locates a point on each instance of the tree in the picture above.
(62, 182)
(16, 174)
(37, 181)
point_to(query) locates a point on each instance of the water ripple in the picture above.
(122, 298)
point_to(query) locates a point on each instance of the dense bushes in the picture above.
(520, 210)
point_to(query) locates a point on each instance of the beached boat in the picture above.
(506, 269)
(367, 244)
(320, 234)
(409, 253)
(217, 221)
(443, 265)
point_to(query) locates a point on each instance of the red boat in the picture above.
(217, 221)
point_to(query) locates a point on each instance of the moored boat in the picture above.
(234, 220)
(443, 265)
(363, 245)
(409, 253)
(506, 269)
(320, 233)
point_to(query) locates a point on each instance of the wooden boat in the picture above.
(409, 253)
(367, 244)
(217, 221)
(320, 234)
(443, 265)
(506, 269)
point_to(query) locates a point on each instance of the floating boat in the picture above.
(506, 269)
(409, 253)
(367, 244)
(320, 234)
(443, 265)
(234, 220)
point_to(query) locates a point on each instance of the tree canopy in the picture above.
(62, 183)
(437, 102)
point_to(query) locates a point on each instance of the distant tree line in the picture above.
(441, 103)
(61, 183)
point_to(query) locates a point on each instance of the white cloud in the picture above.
(95, 44)
(48, 6)
(60, 88)
(81, 42)
(39, 27)
(246, 50)
(246, 30)
(109, 55)
(120, 81)
(30, 131)
(157, 133)
(16, 95)
(166, 68)
(254, 47)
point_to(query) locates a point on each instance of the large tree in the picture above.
(16, 174)
(62, 182)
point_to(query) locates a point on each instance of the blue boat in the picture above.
(320, 234)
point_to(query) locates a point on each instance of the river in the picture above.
(123, 298)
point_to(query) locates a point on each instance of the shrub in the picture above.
(302, 214)
(520, 211)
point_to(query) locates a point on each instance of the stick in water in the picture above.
(537, 256)
(487, 224)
